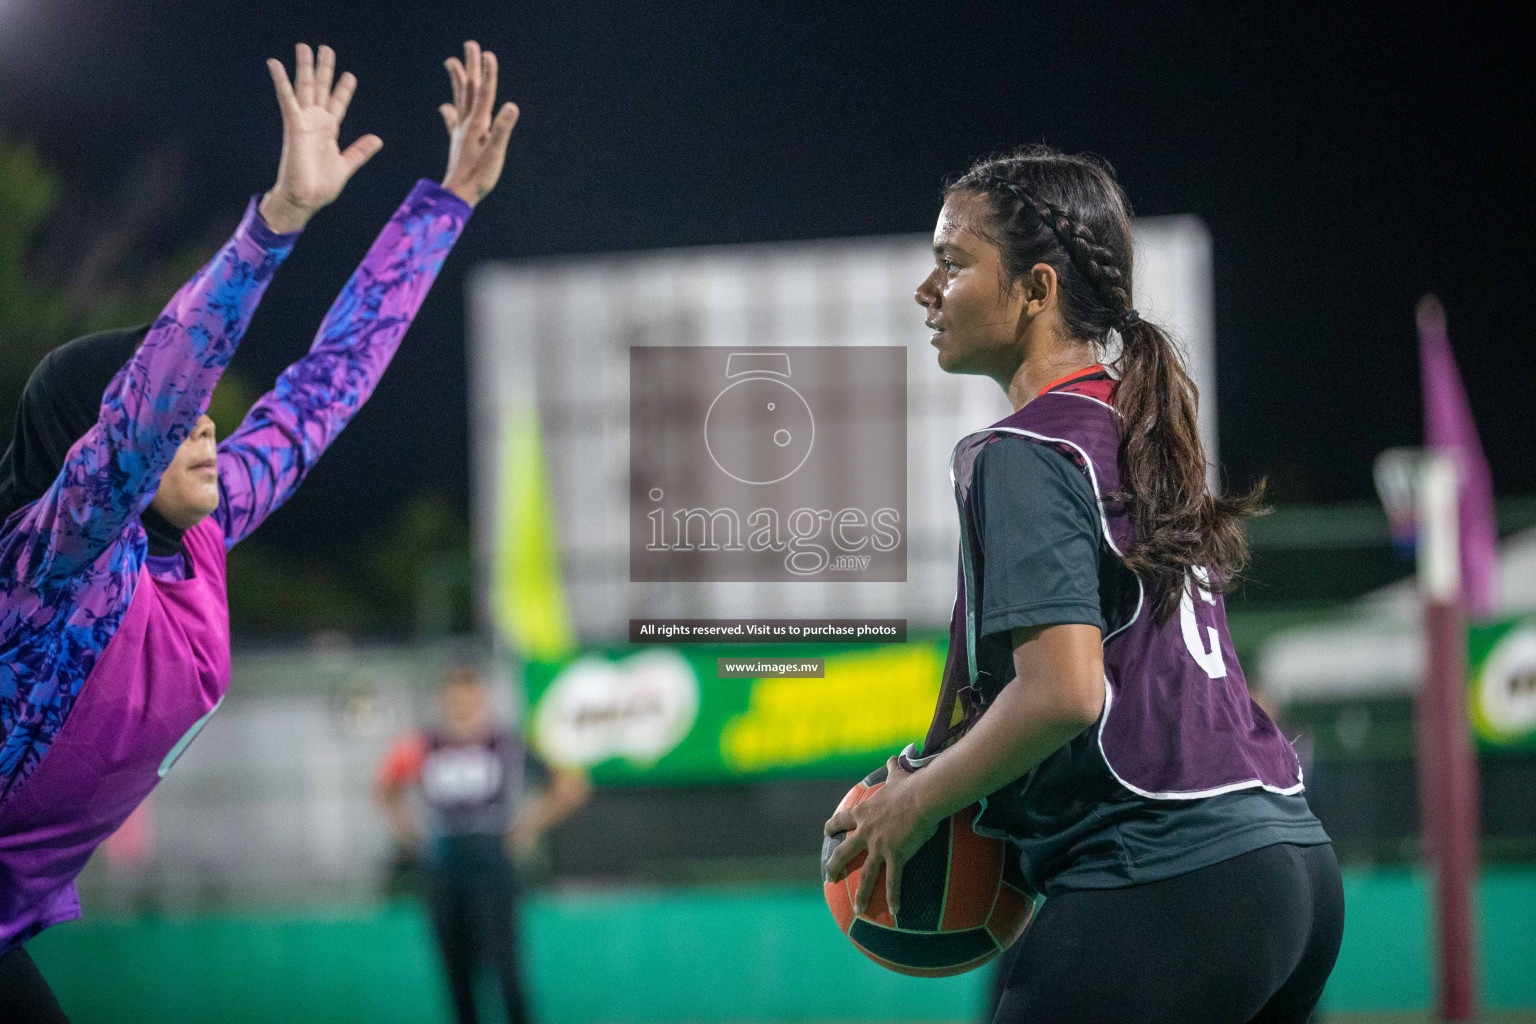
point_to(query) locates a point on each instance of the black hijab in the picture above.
(61, 401)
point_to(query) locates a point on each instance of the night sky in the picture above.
(1344, 160)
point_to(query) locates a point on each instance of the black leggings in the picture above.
(1250, 940)
(25, 997)
(472, 894)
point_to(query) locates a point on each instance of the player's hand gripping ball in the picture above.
(963, 898)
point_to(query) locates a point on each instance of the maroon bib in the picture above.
(1177, 721)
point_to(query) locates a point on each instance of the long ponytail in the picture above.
(1179, 523)
(1069, 212)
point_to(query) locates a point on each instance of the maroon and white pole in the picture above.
(1447, 768)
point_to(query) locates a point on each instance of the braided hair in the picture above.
(1070, 213)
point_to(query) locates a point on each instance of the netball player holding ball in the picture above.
(118, 507)
(1093, 699)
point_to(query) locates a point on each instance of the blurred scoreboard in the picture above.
(550, 342)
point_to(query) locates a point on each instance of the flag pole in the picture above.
(1447, 767)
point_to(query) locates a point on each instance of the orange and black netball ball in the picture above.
(963, 898)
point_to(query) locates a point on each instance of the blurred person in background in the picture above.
(118, 506)
(1092, 697)
(486, 801)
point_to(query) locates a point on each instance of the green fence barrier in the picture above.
(1387, 959)
(363, 966)
(736, 956)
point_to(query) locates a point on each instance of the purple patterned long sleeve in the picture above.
(150, 407)
(262, 463)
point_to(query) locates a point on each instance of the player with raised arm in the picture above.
(1092, 697)
(118, 507)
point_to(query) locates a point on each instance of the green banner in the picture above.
(659, 715)
(1502, 680)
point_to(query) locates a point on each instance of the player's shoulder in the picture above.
(415, 742)
(402, 763)
(1084, 401)
(1098, 387)
(1087, 400)
(1015, 467)
(1076, 418)
(1011, 453)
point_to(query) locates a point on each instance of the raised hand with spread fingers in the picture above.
(477, 143)
(313, 168)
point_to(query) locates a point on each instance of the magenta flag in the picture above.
(1448, 426)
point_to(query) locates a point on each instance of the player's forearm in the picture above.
(154, 404)
(402, 824)
(568, 791)
(546, 811)
(1021, 728)
(364, 326)
(289, 428)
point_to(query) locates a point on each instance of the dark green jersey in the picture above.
(1041, 539)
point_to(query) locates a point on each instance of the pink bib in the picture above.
(158, 680)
